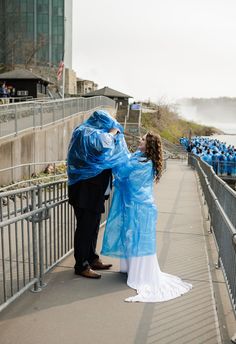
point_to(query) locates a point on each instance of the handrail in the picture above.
(36, 232)
(32, 164)
(36, 179)
(18, 117)
(221, 203)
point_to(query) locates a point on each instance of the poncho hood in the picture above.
(92, 149)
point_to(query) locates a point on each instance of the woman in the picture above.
(130, 232)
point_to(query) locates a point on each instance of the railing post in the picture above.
(41, 116)
(34, 119)
(63, 110)
(127, 115)
(41, 246)
(36, 287)
(71, 107)
(53, 113)
(16, 124)
(218, 264)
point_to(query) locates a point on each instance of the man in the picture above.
(94, 149)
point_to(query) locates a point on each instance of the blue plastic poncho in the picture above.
(131, 226)
(92, 149)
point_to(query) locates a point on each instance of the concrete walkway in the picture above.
(76, 310)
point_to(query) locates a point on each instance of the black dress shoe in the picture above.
(98, 265)
(88, 273)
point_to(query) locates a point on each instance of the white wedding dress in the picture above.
(151, 284)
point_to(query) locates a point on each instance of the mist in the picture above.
(216, 112)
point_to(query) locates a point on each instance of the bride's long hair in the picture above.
(154, 152)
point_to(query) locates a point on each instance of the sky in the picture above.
(157, 49)
(152, 49)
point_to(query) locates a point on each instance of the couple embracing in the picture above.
(97, 151)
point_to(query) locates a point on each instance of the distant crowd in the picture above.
(4, 92)
(219, 155)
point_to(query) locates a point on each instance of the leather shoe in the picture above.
(98, 265)
(88, 273)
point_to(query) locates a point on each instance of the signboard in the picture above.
(22, 93)
(136, 106)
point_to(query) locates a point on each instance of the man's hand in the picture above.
(114, 131)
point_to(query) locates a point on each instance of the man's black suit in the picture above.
(87, 198)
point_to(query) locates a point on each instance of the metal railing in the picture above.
(34, 173)
(221, 202)
(225, 168)
(10, 100)
(18, 117)
(36, 231)
(224, 193)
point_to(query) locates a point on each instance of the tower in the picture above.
(36, 32)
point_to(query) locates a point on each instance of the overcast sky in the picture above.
(157, 48)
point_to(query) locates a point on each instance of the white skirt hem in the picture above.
(151, 284)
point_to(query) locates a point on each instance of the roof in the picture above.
(107, 92)
(85, 80)
(21, 74)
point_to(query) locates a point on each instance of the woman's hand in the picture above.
(114, 131)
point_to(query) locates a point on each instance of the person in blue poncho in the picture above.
(130, 232)
(96, 146)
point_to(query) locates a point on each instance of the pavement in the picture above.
(75, 310)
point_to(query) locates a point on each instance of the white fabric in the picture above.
(151, 284)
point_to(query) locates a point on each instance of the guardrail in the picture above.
(224, 193)
(54, 170)
(18, 117)
(10, 100)
(221, 202)
(36, 232)
(224, 168)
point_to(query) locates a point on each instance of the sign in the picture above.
(22, 93)
(136, 106)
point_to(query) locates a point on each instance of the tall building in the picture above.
(36, 32)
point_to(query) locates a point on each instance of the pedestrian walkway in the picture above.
(75, 310)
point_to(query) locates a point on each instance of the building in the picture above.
(35, 32)
(85, 86)
(22, 84)
(121, 99)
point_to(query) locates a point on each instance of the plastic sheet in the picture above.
(131, 226)
(92, 149)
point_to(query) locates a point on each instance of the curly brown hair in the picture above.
(154, 152)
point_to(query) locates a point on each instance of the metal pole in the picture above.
(127, 111)
(41, 246)
(41, 116)
(34, 116)
(16, 124)
(36, 287)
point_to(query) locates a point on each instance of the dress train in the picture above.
(151, 284)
